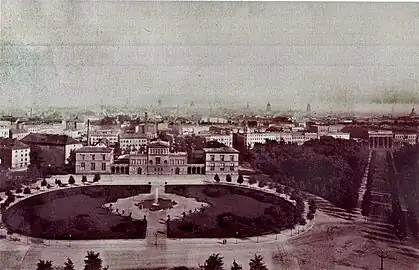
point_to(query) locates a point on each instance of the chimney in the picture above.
(88, 132)
(145, 117)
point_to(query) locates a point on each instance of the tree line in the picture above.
(406, 163)
(327, 167)
(92, 261)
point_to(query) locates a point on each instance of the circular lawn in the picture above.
(76, 214)
(233, 212)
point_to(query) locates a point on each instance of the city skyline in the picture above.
(88, 53)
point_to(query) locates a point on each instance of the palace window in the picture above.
(222, 157)
(222, 167)
(93, 166)
(103, 166)
(212, 157)
(83, 165)
(232, 167)
(103, 157)
(93, 157)
(212, 166)
(231, 157)
(158, 160)
(82, 157)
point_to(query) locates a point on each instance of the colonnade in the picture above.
(380, 141)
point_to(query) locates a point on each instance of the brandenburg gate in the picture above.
(380, 139)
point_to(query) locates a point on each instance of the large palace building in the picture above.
(158, 158)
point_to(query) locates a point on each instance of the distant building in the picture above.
(157, 160)
(90, 160)
(224, 139)
(18, 134)
(221, 161)
(53, 149)
(4, 132)
(110, 134)
(132, 141)
(340, 135)
(14, 154)
(409, 138)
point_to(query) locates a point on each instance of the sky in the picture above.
(88, 53)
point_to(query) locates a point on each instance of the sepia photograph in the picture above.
(209, 135)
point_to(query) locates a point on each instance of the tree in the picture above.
(214, 262)
(71, 180)
(279, 189)
(92, 261)
(228, 178)
(72, 158)
(19, 190)
(252, 180)
(310, 215)
(44, 265)
(236, 266)
(69, 265)
(257, 263)
(26, 190)
(240, 179)
(96, 178)
(44, 183)
(84, 179)
(217, 178)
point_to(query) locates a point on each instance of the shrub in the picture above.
(240, 179)
(262, 183)
(84, 179)
(271, 185)
(19, 190)
(96, 177)
(310, 215)
(27, 190)
(71, 180)
(279, 189)
(217, 178)
(228, 178)
(44, 183)
(252, 180)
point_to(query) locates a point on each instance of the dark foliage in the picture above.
(330, 168)
(214, 262)
(96, 177)
(69, 265)
(26, 190)
(228, 178)
(71, 180)
(257, 263)
(217, 178)
(236, 266)
(240, 179)
(44, 265)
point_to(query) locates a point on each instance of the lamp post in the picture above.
(382, 256)
(69, 241)
(237, 235)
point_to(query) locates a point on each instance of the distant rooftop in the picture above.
(12, 143)
(39, 138)
(93, 149)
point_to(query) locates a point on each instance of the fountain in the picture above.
(156, 198)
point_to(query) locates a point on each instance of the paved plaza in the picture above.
(154, 251)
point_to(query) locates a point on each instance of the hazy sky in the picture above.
(106, 52)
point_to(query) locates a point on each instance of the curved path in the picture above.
(151, 252)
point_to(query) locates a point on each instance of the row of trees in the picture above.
(92, 261)
(229, 179)
(216, 262)
(367, 198)
(405, 160)
(328, 167)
